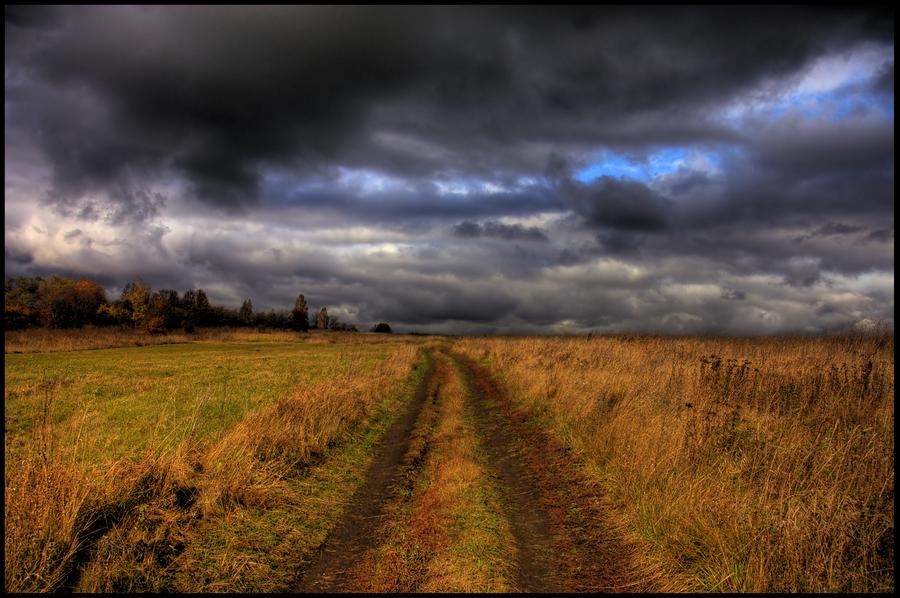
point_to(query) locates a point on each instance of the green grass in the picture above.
(129, 399)
(261, 550)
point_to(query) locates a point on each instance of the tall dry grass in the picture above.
(57, 512)
(742, 464)
(47, 340)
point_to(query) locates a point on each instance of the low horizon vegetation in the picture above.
(60, 302)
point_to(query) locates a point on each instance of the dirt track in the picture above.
(528, 518)
(557, 518)
(328, 570)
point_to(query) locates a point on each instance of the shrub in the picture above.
(382, 327)
(156, 325)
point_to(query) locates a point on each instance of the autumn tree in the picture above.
(66, 303)
(166, 310)
(20, 301)
(300, 314)
(135, 299)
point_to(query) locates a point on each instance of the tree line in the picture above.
(60, 302)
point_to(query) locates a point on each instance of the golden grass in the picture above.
(44, 340)
(117, 525)
(741, 464)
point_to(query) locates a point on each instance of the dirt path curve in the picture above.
(562, 522)
(329, 568)
(529, 520)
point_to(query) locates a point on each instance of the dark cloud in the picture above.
(469, 228)
(830, 229)
(619, 204)
(215, 95)
(733, 294)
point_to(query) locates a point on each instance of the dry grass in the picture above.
(761, 464)
(121, 525)
(46, 340)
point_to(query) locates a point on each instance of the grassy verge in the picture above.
(760, 464)
(447, 532)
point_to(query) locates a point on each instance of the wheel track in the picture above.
(329, 568)
(586, 551)
(529, 521)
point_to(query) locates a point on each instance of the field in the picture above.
(241, 461)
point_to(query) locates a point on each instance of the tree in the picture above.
(382, 327)
(300, 314)
(246, 313)
(322, 319)
(202, 308)
(167, 307)
(20, 301)
(66, 303)
(136, 299)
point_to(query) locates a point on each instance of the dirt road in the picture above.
(556, 519)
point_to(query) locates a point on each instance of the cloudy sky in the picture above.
(468, 169)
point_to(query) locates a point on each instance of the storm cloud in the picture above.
(463, 169)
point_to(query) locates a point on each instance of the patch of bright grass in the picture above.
(129, 399)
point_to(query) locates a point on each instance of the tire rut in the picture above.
(329, 569)
(530, 522)
(562, 522)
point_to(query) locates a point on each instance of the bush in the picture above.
(382, 327)
(156, 325)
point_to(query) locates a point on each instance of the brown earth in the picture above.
(329, 568)
(529, 519)
(561, 520)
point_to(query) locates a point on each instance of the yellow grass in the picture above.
(44, 340)
(756, 464)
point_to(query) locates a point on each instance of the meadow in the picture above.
(101, 440)
(222, 460)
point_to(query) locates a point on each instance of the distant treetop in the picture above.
(382, 327)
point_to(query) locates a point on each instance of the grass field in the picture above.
(95, 438)
(224, 461)
(126, 400)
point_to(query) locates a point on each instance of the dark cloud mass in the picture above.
(469, 168)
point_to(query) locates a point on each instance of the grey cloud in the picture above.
(469, 228)
(619, 204)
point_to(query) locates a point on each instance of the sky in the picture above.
(470, 169)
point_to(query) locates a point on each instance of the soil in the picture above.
(529, 519)
(585, 553)
(330, 566)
